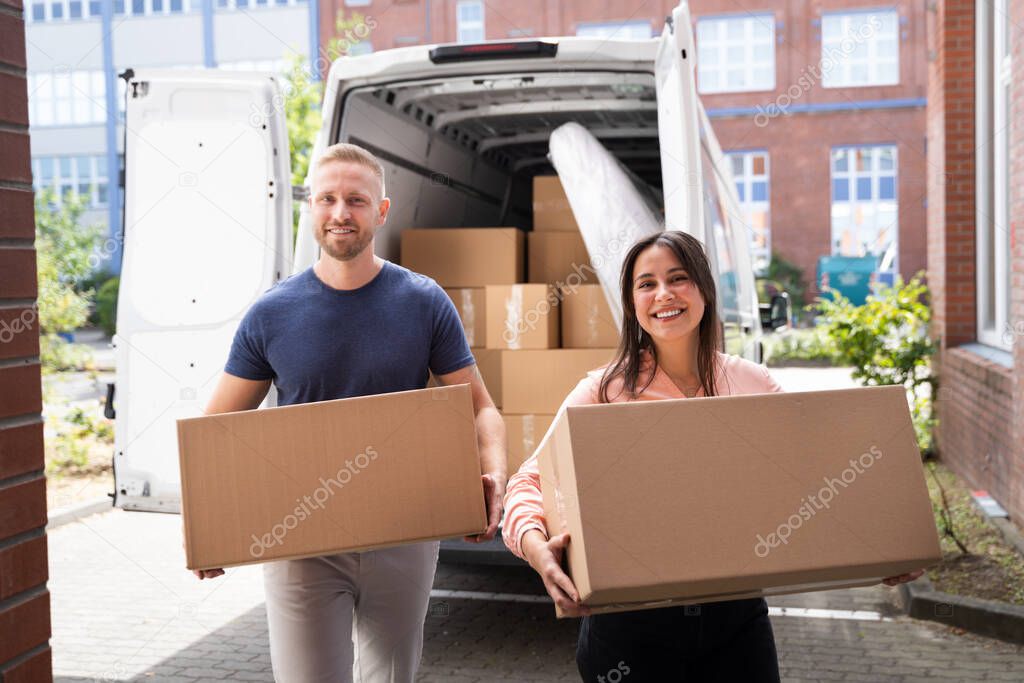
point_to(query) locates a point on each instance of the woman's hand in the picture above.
(902, 578)
(207, 573)
(545, 556)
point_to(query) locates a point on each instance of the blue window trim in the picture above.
(797, 108)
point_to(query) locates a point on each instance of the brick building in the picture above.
(976, 240)
(821, 103)
(24, 598)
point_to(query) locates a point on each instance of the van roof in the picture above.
(572, 53)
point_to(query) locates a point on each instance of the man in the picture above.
(354, 325)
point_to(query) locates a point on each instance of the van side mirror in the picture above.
(775, 315)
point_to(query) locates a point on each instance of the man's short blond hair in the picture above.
(354, 154)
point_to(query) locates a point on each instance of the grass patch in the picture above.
(991, 569)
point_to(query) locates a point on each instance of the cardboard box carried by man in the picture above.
(329, 477)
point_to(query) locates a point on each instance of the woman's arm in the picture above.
(525, 530)
(524, 504)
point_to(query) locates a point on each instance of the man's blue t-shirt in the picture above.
(319, 343)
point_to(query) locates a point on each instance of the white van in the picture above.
(461, 131)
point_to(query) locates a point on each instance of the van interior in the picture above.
(462, 152)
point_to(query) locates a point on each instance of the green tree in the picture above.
(304, 95)
(63, 250)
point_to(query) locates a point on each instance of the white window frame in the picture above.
(462, 27)
(992, 201)
(837, 62)
(758, 255)
(720, 46)
(615, 30)
(875, 174)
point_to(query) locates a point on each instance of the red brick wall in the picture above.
(1016, 12)
(981, 417)
(799, 148)
(24, 599)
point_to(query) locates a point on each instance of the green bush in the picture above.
(886, 341)
(106, 305)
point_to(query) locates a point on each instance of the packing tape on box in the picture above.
(513, 316)
(468, 316)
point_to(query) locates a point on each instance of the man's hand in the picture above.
(545, 556)
(902, 578)
(493, 495)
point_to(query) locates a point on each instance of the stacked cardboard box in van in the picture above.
(533, 312)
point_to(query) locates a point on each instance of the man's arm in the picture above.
(492, 443)
(234, 393)
(230, 395)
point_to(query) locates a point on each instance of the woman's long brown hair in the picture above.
(634, 340)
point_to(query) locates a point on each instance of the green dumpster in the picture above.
(849, 275)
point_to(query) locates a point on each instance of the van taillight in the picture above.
(479, 51)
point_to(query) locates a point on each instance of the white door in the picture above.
(207, 230)
(699, 192)
(678, 131)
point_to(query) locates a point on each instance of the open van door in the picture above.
(678, 131)
(207, 230)
(700, 195)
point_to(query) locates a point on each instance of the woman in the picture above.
(669, 349)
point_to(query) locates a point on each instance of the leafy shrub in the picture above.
(886, 341)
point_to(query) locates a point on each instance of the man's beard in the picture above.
(348, 250)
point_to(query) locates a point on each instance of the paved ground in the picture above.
(124, 608)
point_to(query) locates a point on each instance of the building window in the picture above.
(860, 48)
(363, 47)
(55, 10)
(617, 30)
(750, 172)
(83, 176)
(469, 21)
(865, 216)
(66, 98)
(992, 164)
(736, 54)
